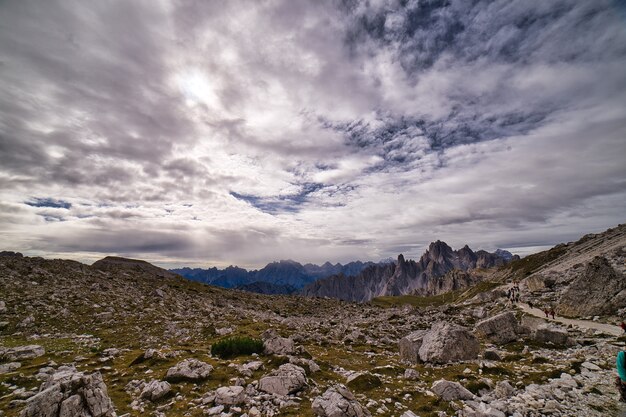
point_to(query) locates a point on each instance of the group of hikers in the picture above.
(513, 293)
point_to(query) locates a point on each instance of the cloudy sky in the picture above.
(240, 132)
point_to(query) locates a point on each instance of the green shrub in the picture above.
(236, 346)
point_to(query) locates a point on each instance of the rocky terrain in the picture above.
(424, 277)
(123, 337)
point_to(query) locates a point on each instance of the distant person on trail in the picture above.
(530, 304)
(620, 381)
(623, 326)
(552, 313)
(546, 311)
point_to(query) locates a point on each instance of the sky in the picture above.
(209, 133)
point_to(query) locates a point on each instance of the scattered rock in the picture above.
(287, 379)
(338, 401)
(230, 395)
(451, 391)
(279, 346)
(155, 390)
(363, 381)
(22, 352)
(69, 395)
(189, 370)
(5, 368)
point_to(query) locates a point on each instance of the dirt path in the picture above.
(584, 324)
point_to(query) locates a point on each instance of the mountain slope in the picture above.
(407, 277)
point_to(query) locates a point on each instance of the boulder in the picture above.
(552, 334)
(155, 390)
(363, 381)
(338, 401)
(71, 394)
(491, 355)
(451, 391)
(22, 352)
(503, 390)
(279, 346)
(287, 379)
(3, 307)
(498, 329)
(410, 345)
(189, 370)
(230, 395)
(447, 342)
(5, 368)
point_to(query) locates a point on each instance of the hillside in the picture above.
(143, 341)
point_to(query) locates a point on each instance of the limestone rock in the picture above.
(155, 390)
(71, 394)
(446, 342)
(600, 290)
(5, 368)
(279, 346)
(230, 395)
(552, 334)
(498, 329)
(363, 381)
(189, 370)
(451, 391)
(410, 345)
(287, 379)
(338, 401)
(23, 352)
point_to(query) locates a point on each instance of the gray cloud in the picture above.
(242, 132)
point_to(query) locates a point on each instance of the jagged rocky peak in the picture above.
(438, 251)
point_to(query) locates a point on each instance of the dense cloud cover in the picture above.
(213, 132)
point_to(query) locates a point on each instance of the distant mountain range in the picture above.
(358, 281)
(283, 277)
(440, 269)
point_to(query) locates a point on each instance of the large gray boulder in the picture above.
(338, 401)
(71, 394)
(287, 379)
(230, 395)
(22, 352)
(552, 334)
(447, 342)
(451, 391)
(499, 329)
(155, 390)
(410, 345)
(189, 370)
(279, 346)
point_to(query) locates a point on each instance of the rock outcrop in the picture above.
(230, 395)
(22, 352)
(338, 401)
(410, 345)
(69, 393)
(600, 290)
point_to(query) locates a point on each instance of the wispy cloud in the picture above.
(242, 132)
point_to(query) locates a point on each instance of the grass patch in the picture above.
(236, 346)
(415, 300)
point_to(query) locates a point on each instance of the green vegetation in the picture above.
(531, 263)
(415, 300)
(236, 346)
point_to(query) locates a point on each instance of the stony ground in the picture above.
(136, 330)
